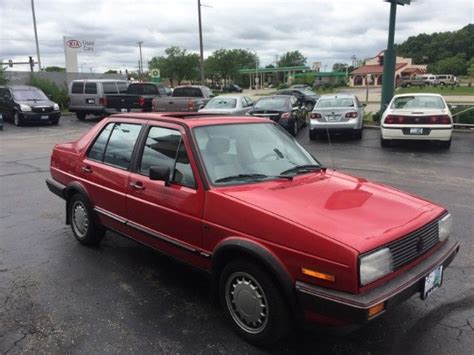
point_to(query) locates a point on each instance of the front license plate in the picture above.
(416, 130)
(432, 282)
(45, 117)
(123, 110)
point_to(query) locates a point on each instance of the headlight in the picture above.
(375, 265)
(25, 108)
(56, 107)
(445, 225)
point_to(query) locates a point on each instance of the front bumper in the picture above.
(354, 308)
(40, 117)
(429, 133)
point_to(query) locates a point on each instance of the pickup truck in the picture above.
(188, 98)
(407, 82)
(138, 96)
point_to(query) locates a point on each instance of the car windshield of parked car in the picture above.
(29, 95)
(418, 102)
(335, 102)
(272, 104)
(307, 92)
(221, 103)
(249, 152)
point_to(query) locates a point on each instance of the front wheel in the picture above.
(309, 106)
(253, 303)
(81, 115)
(294, 127)
(17, 121)
(83, 225)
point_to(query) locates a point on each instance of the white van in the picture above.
(445, 79)
(87, 96)
(429, 79)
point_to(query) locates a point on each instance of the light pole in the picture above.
(140, 67)
(200, 43)
(36, 34)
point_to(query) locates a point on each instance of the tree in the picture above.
(55, 69)
(456, 65)
(111, 71)
(225, 63)
(292, 59)
(470, 69)
(176, 65)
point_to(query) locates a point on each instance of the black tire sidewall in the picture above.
(94, 234)
(279, 320)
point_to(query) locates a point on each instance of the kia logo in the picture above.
(73, 43)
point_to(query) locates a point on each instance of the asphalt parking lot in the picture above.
(57, 296)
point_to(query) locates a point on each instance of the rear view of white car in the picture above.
(417, 117)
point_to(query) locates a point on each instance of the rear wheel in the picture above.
(83, 225)
(312, 135)
(253, 303)
(81, 115)
(384, 142)
(445, 144)
(55, 122)
(358, 134)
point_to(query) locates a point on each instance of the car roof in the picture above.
(286, 97)
(227, 97)
(20, 87)
(338, 96)
(98, 80)
(418, 94)
(190, 119)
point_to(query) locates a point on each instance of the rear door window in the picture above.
(109, 88)
(77, 88)
(91, 88)
(122, 88)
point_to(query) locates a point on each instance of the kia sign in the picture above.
(74, 46)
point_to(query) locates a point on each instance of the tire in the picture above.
(309, 106)
(358, 134)
(17, 121)
(55, 122)
(445, 144)
(245, 286)
(384, 143)
(312, 135)
(81, 116)
(83, 225)
(294, 127)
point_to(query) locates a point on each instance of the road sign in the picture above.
(155, 73)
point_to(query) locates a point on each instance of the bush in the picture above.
(465, 117)
(376, 117)
(57, 93)
(282, 86)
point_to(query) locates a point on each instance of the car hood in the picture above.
(36, 103)
(353, 211)
(218, 110)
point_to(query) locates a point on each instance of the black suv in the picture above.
(232, 88)
(27, 104)
(305, 97)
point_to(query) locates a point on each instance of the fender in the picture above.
(240, 246)
(71, 189)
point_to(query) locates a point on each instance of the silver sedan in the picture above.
(231, 105)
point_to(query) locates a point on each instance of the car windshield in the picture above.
(272, 104)
(335, 102)
(29, 95)
(249, 152)
(418, 102)
(307, 92)
(223, 102)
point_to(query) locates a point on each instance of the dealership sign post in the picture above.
(73, 46)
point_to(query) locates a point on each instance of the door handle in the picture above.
(137, 186)
(86, 169)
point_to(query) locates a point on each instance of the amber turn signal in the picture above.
(318, 275)
(374, 310)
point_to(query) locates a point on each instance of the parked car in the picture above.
(23, 104)
(337, 114)
(301, 87)
(139, 96)
(445, 79)
(87, 96)
(407, 81)
(429, 79)
(307, 97)
(282, 238)
(184, 98)
(232, 88)
(232, 105)
(417, 117)
(285, 110)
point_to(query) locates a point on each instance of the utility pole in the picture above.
(140, 64)
(388, 78)
(36, 34)
(200, 43)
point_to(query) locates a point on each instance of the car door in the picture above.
(167, 216)
(105, 171)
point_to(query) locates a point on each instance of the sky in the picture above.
(327, 31)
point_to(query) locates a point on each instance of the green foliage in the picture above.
(177, 65)
(470, 69)
(456, 65)
(225, 63)
(55, 69)
(465, 117)
(292, 59)
(111, 71)
(3, 79)
(57, 93)
(282, 86)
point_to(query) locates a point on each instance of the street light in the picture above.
(140, 69)
(36, 34)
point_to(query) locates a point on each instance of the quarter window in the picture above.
(165, 147)
(109, 88)
(91, 88)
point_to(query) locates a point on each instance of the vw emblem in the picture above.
(44, 110)
(419, 244)
(417, 119)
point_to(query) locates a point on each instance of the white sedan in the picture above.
(232, 105)
(417, 117)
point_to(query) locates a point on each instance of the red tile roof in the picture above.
(373, 69)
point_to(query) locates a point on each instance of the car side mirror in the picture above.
(160, 173)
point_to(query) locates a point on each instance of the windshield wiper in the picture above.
(301, 169)
(250, 177)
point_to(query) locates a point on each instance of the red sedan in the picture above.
(283, 238)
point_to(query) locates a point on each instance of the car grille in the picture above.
(414, 244)
(41, 109)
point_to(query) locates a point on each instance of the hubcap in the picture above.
(80, 219)
(16, 119)
(246, 302)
